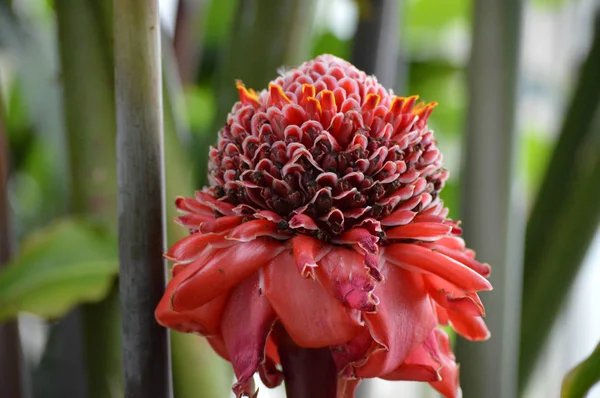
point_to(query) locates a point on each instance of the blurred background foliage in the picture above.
(57, 137)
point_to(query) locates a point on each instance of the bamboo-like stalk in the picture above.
(565, 215)
(140, 170)
(376, 44)
(10, 352)
(88, 89)
(492, 219)
(186, 41)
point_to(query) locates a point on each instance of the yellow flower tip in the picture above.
(314, 106)
(371, 101)
(308, 90)
(278, 97)
(247, 97)
(328, 100)
(400, 105)
(423, 110)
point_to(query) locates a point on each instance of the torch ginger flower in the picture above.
(323, 216)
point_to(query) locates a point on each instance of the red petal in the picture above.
(362, 237)
(199, 284)
(191, 247)
(354, 352)
(193, 221)
(207, 199)
(420, 231)
(307, 251)
(251, 230)
(277, 96)
(418, 366)
(442, 315)
(268, 215)
(221, 224)
(400, 217)
(449, 386)
(247, 321)
(309, 314)
(415, 257)
(303, 221)
(190, 205)
(470, 327)
(269, 374)
(372, 264)
(404, 319)
(204, 320)
(460, 256)
(343, 274)
(452, 298)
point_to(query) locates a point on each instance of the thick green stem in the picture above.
(85, 49)
(10, 352)
(491, 213)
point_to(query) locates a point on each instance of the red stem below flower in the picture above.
(308, 372)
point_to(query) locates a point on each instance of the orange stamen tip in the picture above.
(315, 102)
(328, 100)
(248, 97)
(396, 105)
(371, 101)
(308, 90)
(277, 94)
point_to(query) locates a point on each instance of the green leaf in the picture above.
(66, 263)
(582, 377)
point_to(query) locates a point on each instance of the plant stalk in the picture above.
(564, 218)
(89, 109)
(492, 212)
(376, 44)
(140, 178)
(308, 372)
(10, 352)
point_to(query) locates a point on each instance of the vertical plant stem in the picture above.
(90, 121)
(186, 41)
(492, 220)
(376, 43)
(565, 215)
(140, 171)
(308, 372)
(10, 352)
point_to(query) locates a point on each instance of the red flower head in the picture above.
(323, 215)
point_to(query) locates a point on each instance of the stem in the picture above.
(376, 42)
(492, 215)
(308, 372)
(559, 232)
(140, 175)
(10, 352)
(89, 107)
